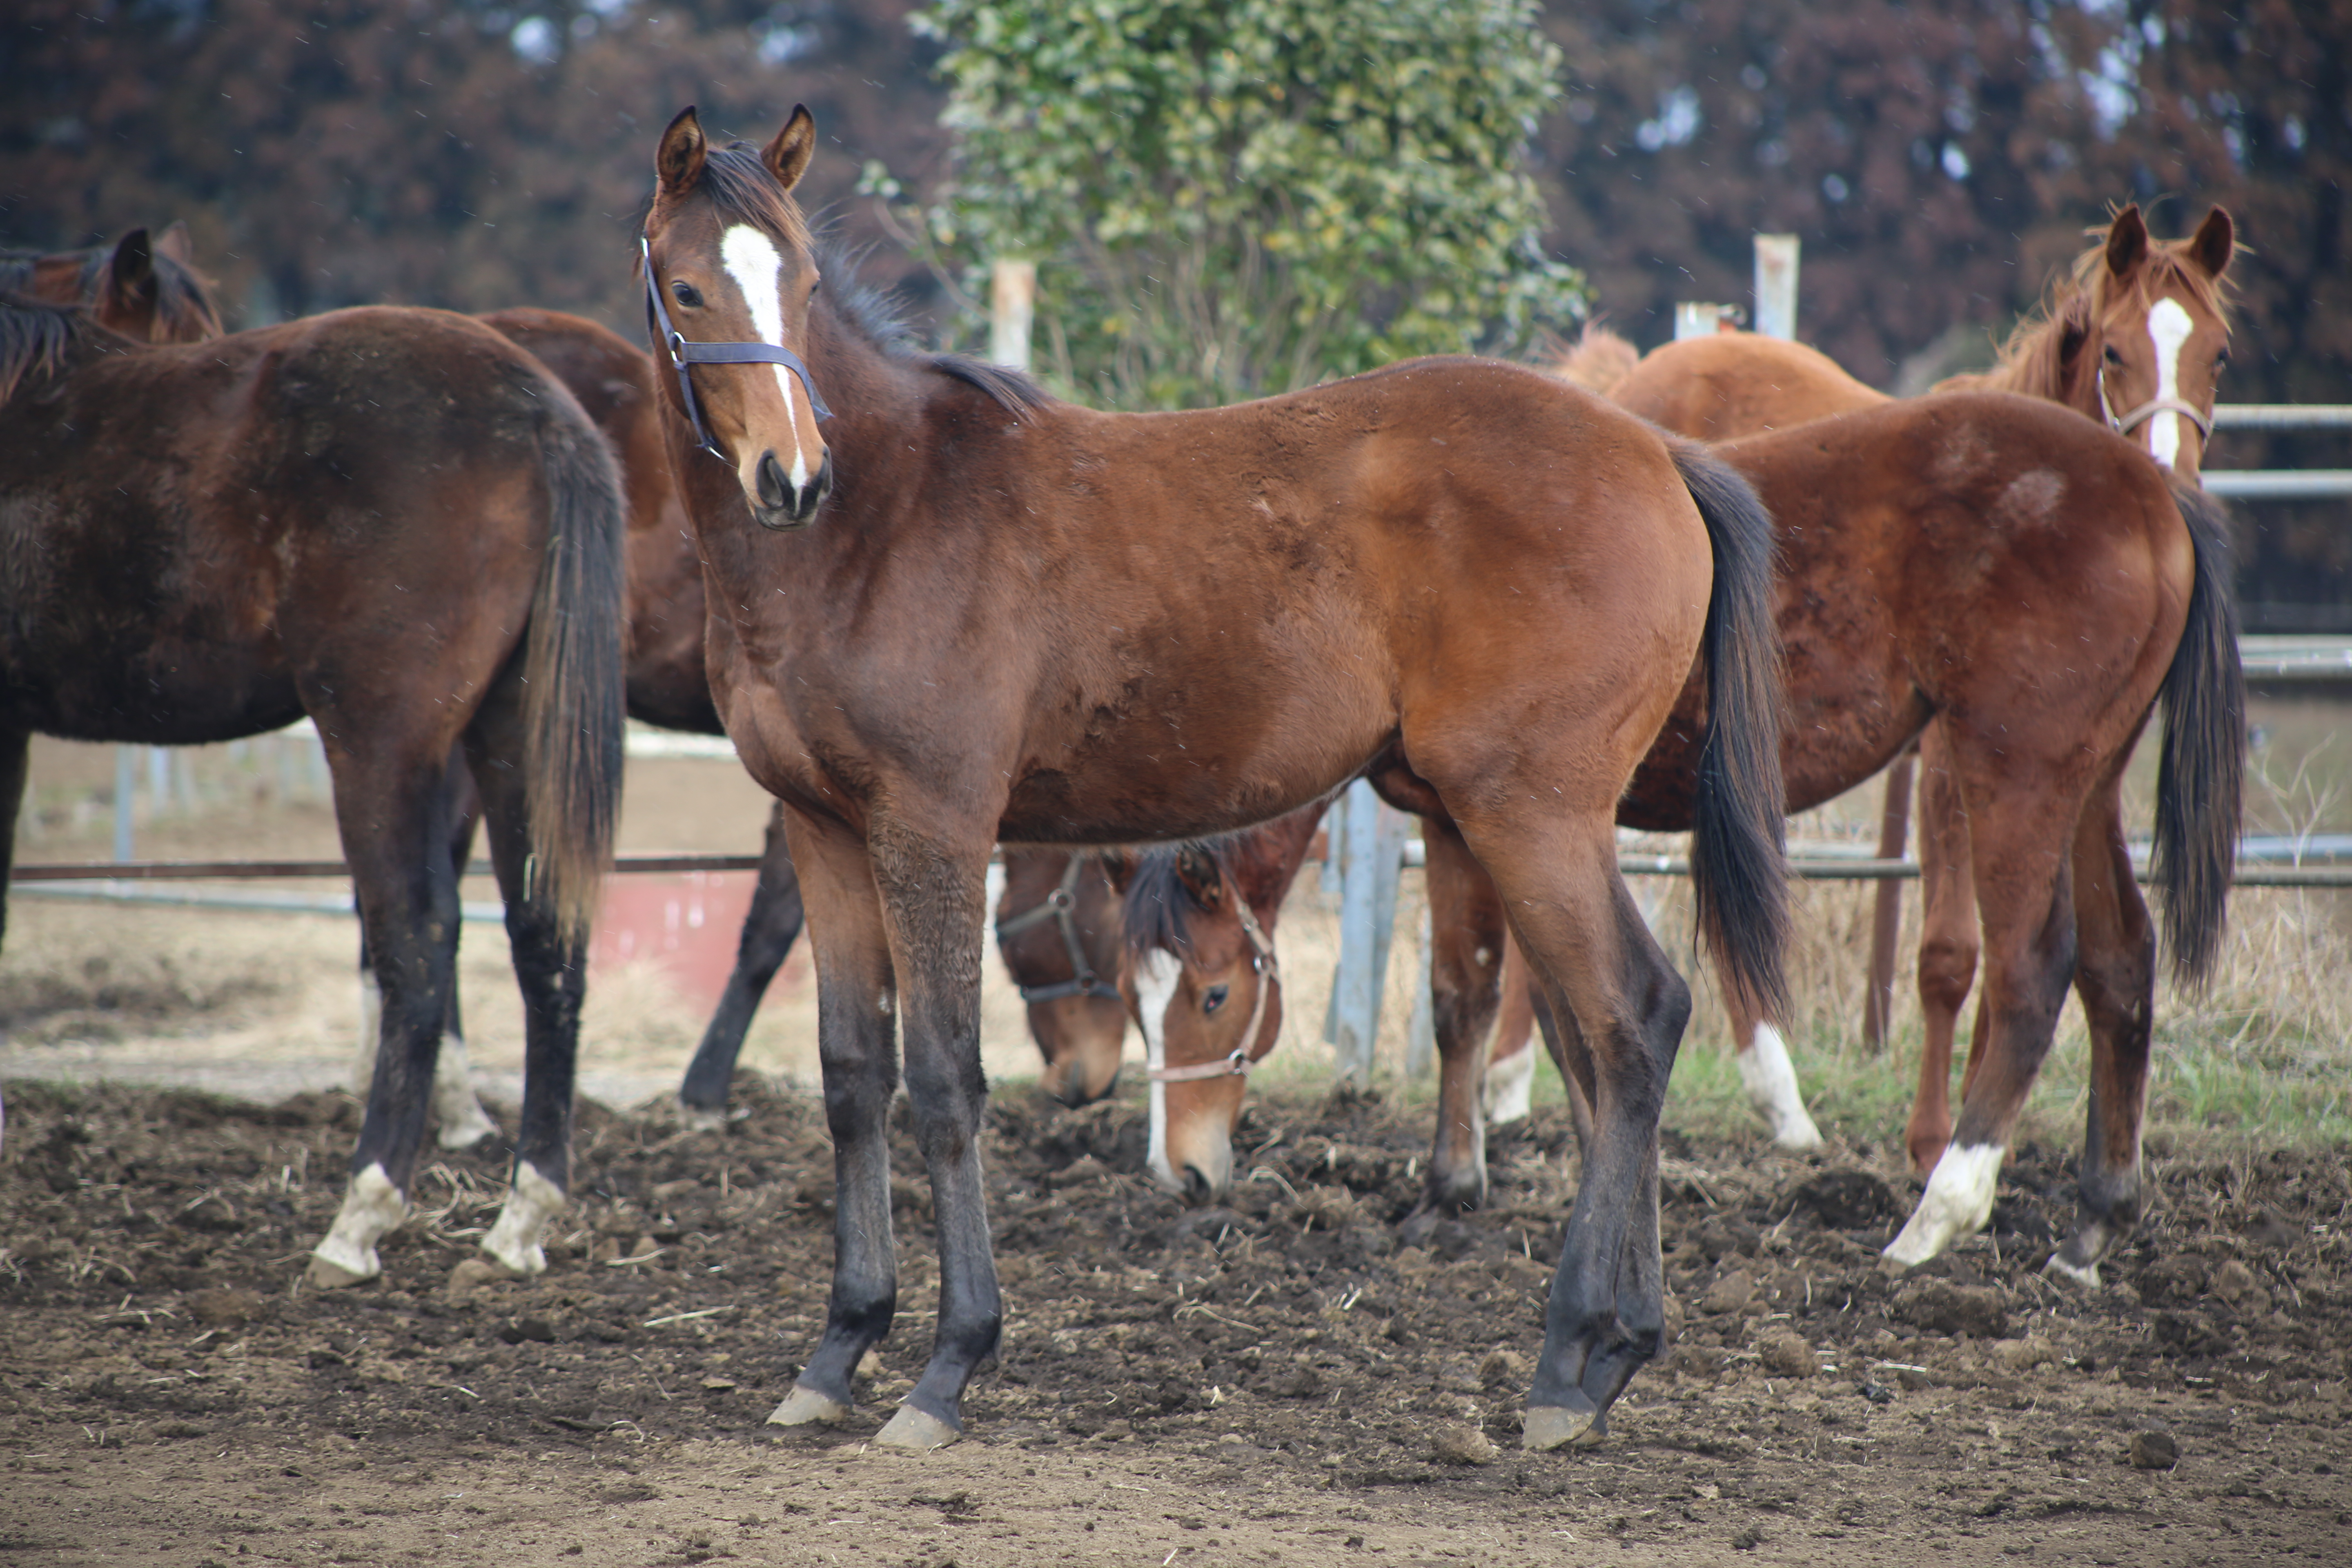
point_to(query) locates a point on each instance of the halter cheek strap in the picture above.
(1269, 974)
(682, 353)
(2124, 424)
(1061, 907)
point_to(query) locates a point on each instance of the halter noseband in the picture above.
(682, 353)
(1060, 907)
(1269, 974)
(2124, 424)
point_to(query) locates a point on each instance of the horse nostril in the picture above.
(1196, 1185)
(819, 487)
(773, 490)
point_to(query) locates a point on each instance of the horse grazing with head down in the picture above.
(957, 611)
(395, 522)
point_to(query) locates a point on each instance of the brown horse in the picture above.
(396, 522)
(1057, 931)
(963, 613)
(2033, 585)
(2138, 325)
(1206, 986)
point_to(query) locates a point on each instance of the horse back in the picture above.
(1729, 385)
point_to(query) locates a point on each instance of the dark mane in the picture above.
(35, 337)
(183, 304)
(1158, 909)
(873, 312)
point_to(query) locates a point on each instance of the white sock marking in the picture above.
(530, 1202)
(464, 1124)
(370, 1209)
(1510, 1086)
(1156, 974)
(1958, 1202)
(371, 1034)
(2169, 327)
(1772, 1081)
(757, 267)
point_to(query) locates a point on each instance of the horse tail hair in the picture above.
(2201, 769)
(1597, 361)
(1738, 864)
(573, 670)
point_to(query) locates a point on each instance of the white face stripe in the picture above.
(2169, 327)
(1156, 974)
(758, 268)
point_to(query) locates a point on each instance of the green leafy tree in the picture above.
(1232, 197)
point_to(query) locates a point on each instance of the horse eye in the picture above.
(686, 294)
(2113, 358)
(2220, 358)
(1215, 999)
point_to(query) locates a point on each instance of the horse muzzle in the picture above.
(780, 506)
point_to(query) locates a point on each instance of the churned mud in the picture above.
(1274, 1379)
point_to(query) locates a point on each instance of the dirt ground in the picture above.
(1274, 1380)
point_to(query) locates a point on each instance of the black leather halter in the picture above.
(682, 353)
(1060, 907)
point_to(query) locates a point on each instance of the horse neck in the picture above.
(2032, 366)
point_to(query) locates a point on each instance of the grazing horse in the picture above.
(962, 612)
(396, 522)
(1206, 986)
(2137, 325)
(1057, 931)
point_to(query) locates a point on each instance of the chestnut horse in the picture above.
(962, 613)
(142, 287)
(2138, 325)
(2035, 585)
(392, 521)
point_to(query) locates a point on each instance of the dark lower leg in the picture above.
(15, 753)
(770, 928)
(2115, 975)
(1466, 922)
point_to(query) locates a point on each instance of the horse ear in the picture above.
(678, 163)
(1202, 876)
(132, 270)
(2215, 241)
(1118, 867)
(175, 243)
(788, 156)
(2074, 331)
(2126, 241)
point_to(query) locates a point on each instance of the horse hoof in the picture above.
(701, 1118)
(465, 1134)
(807, 1407)
(2085, 1276)
(1551, 1426)
(325, 1274)
(917, 1430)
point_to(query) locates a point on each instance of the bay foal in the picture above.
(960, 612)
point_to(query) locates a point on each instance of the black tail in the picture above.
(1738, 869)
(2201, 775)
(572, 662)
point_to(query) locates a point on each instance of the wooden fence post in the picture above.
(1886, 916)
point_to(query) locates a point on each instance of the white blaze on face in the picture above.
(1958, 1202)
(2169, 327)
(1156, 974)
(757, 267)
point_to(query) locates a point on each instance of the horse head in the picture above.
(2155, 335)
(729, 272)
(1206, 989)
(1057, 931)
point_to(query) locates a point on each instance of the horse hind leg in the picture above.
(2115, 975)
(1608, 982)
(459, 1119)
(1507, 1094)
(1762, 1053)
(1465, 966)
(1949, 946)
(389, 804)
(550, 967)
(2021, 866)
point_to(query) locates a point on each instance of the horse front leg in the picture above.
(1948, 943)
(934, 902)
(856, 1008)
(770, 928)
